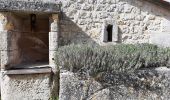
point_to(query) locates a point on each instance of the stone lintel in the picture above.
(29, 6)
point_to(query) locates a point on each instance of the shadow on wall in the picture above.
(146, 17)
(70, 32)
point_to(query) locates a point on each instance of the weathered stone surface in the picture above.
(161, 39)
(53, 43)
(9, 59)
(25, 87)
(148, 84)
(166, 25)
(9, 40)
(134, 18)
(29, 5)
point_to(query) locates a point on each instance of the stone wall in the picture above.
(146, 84)
(26, 87)
(82, 20)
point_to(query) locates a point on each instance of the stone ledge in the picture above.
(34, 6)
(27, 71)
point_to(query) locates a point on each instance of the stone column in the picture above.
(9, 52)
(8, 41)
(53, 45)
(53, 40)
(4, 40)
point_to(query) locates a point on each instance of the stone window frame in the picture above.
(104, 33)
(7, 56)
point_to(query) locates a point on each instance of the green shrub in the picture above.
(117, 58)
(54, 98)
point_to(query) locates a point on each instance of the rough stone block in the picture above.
(160, 39)
(31, 5)
(9, 58)
(166, 25)
(146, 84)
(53, 40)
(3, 21)
(25, 87)
(54, 27)
(52, 60)
(9, 40)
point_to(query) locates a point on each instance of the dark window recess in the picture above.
(109, 33)
(33, 22)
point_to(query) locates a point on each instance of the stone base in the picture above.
(26, 86)
(147, 84)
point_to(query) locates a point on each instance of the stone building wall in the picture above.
(82, 20)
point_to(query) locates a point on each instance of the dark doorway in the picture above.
(34, 40)
(109, 33)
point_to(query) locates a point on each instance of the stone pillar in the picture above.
(9, 52)
(53, 45)
(4, 40)
(53, 40)
(8, 41)
(115, 33)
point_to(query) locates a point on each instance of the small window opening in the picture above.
(33, 22)
(109, 33)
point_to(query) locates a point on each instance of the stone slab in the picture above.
(166, 25)
(27, 71)
(30, 6)
(53, 40)
(26, 87)
(160, 39)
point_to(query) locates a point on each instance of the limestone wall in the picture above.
(146, 84)
(82, 20)
(26, 87)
